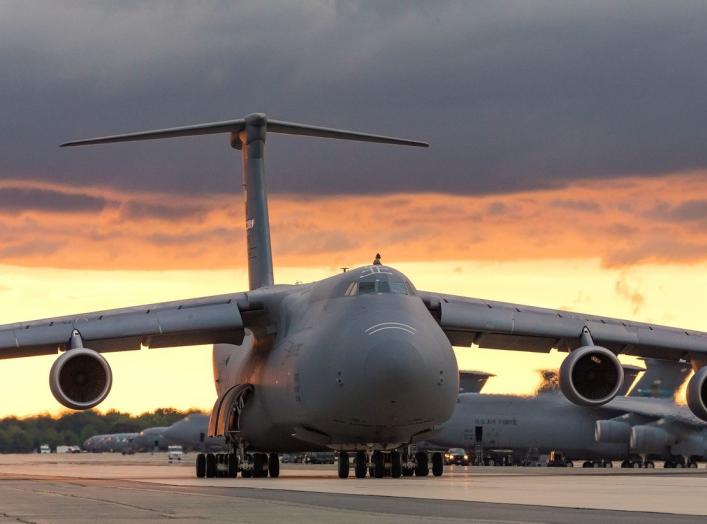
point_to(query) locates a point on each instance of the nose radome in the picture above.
(395, 369)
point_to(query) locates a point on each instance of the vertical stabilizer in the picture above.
(251, 142)
(630, 374)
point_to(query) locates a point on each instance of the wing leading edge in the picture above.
(501, 325)
(207, 320)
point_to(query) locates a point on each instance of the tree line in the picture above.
(24, 435)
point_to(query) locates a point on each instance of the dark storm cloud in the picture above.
(17, 199)
(137, 210)
(687, 211)
(512, 95)
(32, 248)
(577, 205)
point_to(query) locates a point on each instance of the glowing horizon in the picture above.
(182, 377)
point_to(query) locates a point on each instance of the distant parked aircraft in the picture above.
(635, 429)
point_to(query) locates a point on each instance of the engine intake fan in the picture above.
(697, 393)
(80, 379)
(591, 376)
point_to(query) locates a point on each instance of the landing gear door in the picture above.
(227, 409)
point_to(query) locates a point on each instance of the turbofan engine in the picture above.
(697, 393)
(612, 431)
(648, 439)
(591, 376)
(80, 379)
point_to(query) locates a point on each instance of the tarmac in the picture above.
(146, 488)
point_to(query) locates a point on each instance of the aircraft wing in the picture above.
(208, 320)
(656, 409)
(501, 325)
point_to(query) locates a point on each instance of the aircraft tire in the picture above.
(260, 465)
(692, 464)
(437, 464)
(422, 467)
(344, 465)
(200, 466)
(378, 464)
(396, 465)
(210, 465)
(232, 459)
(246, 473)
(588, 464)
(273, 465)
(408, 472)
(360, 464)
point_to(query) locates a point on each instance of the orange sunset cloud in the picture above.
(622, 222)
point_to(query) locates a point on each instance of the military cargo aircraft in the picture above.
(360, 362)
(635, 429)
(111, 443)
(151, 439)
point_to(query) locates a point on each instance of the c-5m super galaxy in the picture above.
(360, 362)
(636, 427)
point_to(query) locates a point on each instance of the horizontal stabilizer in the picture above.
(235, 126)
(229, 126)
(291, 128)
(473, 381)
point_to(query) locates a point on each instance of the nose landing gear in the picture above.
(344, 465)
(360, 464)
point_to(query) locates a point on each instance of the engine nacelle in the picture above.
(648, 439)
(80, 379)
(697, 393)
(591, 376)
(612, 431)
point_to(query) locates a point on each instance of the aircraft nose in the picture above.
(395, 369)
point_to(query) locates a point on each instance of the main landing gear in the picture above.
(393, 464)
(377, 464)
(598, 464)
(227, 465)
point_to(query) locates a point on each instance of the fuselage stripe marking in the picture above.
(391, 324)
(391, 327)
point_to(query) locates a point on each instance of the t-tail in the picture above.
(662, 379)
(248, 135)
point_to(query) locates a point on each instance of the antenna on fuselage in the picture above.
(248, 135)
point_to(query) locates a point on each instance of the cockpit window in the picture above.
(367, 288)
(399, 288)
(372, 287)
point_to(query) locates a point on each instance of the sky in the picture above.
(567, 165)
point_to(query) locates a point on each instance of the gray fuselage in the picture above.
(353, 361)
